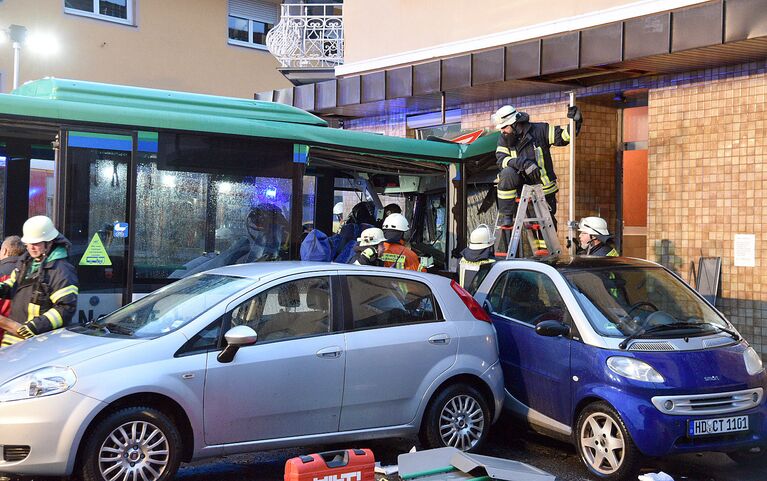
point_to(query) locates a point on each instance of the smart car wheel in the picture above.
(604, 444)
(458, 417)
(131, 444)
(753, 457)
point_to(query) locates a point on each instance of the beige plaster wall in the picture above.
(175, 44)
(378, 29)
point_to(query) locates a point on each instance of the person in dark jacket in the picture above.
(594, 238)
(10, 251)
(524, 157)
(43, 285)
(480, 251)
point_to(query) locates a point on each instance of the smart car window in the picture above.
(528, 296)
(294, 309)
(389, 301)
(623, 301)
(171, 307)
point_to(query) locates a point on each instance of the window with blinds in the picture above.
(250, 21)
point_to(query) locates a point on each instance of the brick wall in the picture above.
(708, 182)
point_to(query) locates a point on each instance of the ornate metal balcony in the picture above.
(309, 36)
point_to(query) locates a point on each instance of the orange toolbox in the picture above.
(343, 465)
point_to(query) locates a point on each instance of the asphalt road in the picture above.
(555, 457)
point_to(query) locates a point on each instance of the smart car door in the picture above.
(397, 344)
(289, 383)
(536, 368)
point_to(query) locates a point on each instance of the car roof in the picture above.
(567, 263)
(259, 270)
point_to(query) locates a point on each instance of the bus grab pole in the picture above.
(572, 224)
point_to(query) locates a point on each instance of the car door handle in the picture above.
(439, 339)
(329, 352)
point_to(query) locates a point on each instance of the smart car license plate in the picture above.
(705, 427)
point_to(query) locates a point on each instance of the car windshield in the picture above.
(169, 308)
(642, 301)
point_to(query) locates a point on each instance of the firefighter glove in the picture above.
(25, 332)
(573, 112)
(532, 172)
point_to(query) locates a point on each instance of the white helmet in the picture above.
(396, 222)
(338, 209)
(481, 237)
(504, 116)
(38, 229)
(371, 237)
(593, 226)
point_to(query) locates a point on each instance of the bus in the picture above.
(151, 185)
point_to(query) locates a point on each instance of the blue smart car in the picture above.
(624, 359)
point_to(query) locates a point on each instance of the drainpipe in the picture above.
(573, 224)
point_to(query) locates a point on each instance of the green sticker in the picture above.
(95, 254)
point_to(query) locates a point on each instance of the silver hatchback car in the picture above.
(251, 357)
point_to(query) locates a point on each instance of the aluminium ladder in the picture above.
(533, 219)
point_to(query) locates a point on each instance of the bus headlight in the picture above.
(633, 369)
(42, 382)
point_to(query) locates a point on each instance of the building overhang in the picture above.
(706, 35)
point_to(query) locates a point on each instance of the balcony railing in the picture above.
(308, 36)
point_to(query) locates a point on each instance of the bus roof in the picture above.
(136, 107)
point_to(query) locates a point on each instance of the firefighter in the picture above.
(524, 157)
(370, 247)
(480, 251)
(338, 217)
(396, 254)
(43, 286)
(594, 237)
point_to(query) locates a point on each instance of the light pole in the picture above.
(18, 34)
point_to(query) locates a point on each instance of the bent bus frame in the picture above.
(152, 185)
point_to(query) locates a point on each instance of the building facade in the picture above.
(672, 148)
(205, 46)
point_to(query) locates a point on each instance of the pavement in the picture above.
(506, 441)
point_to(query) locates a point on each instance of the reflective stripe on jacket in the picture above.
(400, 256)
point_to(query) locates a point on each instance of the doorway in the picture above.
(633, 188)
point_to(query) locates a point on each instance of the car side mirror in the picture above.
(236, 338)
(552, 329)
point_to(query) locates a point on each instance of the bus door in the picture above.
(99, 170)
(27, 176)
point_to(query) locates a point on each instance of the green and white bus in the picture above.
(152, 185)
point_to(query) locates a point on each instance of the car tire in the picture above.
(605, 445)
(752, 458)
(137, 439)
(458, 416)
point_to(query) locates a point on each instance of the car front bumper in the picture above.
(51, 427)
(659, 434)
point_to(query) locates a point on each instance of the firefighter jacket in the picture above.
(471, 261)
(532, 145)
(401, 257)
(43, 294)
(603, 249)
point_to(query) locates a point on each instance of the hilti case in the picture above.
(343, 465)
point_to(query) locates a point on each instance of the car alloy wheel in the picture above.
(135, 450)
(132, 444)
(604, 443)
(458, 417)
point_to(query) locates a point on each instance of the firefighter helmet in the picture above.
(505, 116)
(594, 226)
(481, 237)
(38, 229)
(396, 222)
(371, 237)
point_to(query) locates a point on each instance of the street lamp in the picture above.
(35, 41)
(18, 34)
